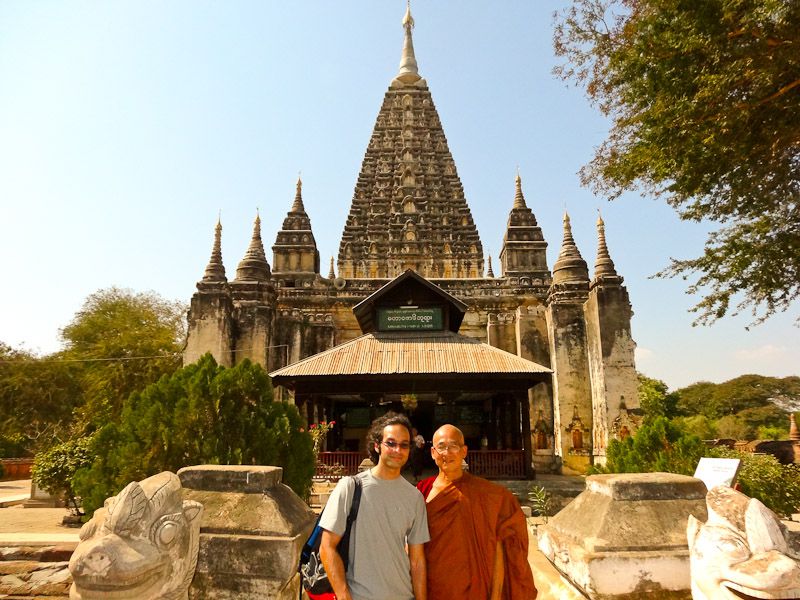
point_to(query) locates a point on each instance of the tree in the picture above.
(125, 341)
(658, 445)
(37, 397)
(698, 425)
(703, 99)
(655, 399)
(201, 414)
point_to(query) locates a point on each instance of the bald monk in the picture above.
(479, 538)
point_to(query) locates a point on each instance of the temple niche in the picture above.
(409, 211)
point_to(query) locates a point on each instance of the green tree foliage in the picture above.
(658, 445)
(125, 341)
(762, 476)
(655, 398)
(37, 397)
(699, 425)
(703, 97)
(201, 414)
(740, 406)
(54, 469)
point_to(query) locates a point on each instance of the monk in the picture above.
(479, 538)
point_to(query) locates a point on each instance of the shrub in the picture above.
(658, 445)
(54, 469)
(762, 476)
(202, 414)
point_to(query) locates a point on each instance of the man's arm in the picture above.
(419, 572)
(499, 572)
(333, 564)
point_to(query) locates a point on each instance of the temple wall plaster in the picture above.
(611, 362)
(571, 385)
(210, 329)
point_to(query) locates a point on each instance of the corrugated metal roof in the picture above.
(440, 352)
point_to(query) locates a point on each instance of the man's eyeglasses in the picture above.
(394, 445)
(445, 448)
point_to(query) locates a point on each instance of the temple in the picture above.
(409, 213)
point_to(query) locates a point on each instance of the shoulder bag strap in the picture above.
(351, 516)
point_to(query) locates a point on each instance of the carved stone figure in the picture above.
(741, 551)
(141, 545)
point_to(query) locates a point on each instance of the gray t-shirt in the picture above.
(391, 514)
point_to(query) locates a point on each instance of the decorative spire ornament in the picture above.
(215, 271)
(603, 266)
(489, 272)
(331, 273)
(297, 206)
(569, 266)
(254, 265)
(519, 199)
(409, 72)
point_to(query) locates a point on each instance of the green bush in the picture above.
(762, 476)
(202, 414)
(12, 445)
(54, 469)
(658, 445)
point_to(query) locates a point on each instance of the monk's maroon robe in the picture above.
(466, 520)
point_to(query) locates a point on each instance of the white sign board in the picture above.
(717, 471)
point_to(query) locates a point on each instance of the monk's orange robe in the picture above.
(466, 520)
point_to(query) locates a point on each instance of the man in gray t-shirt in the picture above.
(391, 517)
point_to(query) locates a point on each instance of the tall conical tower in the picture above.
(210, 314)
(572, 400)
(409, 209)
(295, 256)
(253, 295)
(524, 248)
(608, 313)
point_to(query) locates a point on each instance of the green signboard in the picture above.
(409, 319)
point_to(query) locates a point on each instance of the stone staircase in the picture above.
(35, 572)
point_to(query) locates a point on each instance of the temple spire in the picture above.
(254, 265)
(215, 271)
(409, 72)
(519, 199)
(569, 265)
(489, 272)
(603, 266)
(331, 272)
(297, 206)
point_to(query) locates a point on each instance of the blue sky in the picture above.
(126, 127)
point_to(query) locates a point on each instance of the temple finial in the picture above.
(254, 265)
(215, 270)
(331, 273)
(297, 206)
(489, 272)
(409, 72)
(603, 266)
(519, 199)
(569, 266)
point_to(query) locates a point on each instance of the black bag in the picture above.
(313, 578)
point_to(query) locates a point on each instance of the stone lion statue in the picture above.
(740, 551)
(142, 544)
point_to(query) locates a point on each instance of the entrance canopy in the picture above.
(411, 358)
(434, 361)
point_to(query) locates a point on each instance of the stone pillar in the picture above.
(612, 369)
(571, 384)
(624, 537)
(251, 533)
(522, 398)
